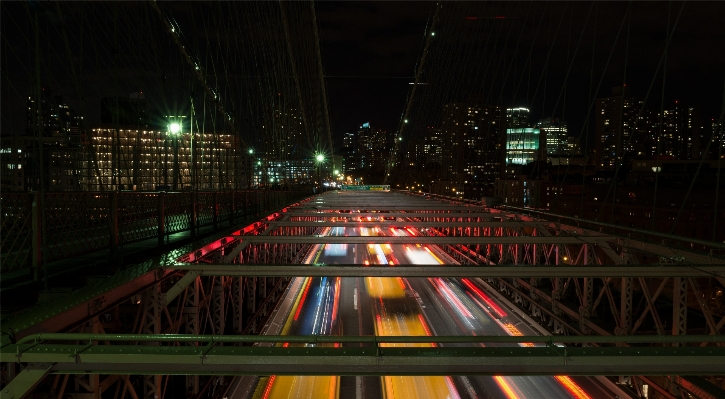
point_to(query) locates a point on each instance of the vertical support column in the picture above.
(586, 304)
(219, 311)
(250, 298)
(161, 220)
(151, 324)
(37, 234)
(238, 303)
(556, 295)
(192, 327)
(679, 306)
(263, 289)
(625, 308)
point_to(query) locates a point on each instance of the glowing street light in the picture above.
(320, 159)
(251, 151)
(174, 128)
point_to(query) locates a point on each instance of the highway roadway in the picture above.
(406, 306)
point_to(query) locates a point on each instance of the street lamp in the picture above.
(175, 129)
(320, 158)
(250, 169)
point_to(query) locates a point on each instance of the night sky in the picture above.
(370, 51)
(379, 44)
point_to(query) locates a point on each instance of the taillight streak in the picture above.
(484, 297)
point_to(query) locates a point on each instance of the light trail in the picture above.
(505, 387)
(571, 386)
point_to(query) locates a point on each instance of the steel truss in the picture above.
(575, 282)
(144, 299)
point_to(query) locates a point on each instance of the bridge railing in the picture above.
(690, 244)
(37, 228)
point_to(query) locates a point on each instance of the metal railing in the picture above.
(706, 247)
(36, 228)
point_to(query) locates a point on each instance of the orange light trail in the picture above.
(516, 333)
(302, 301)
(572, 387)
(425, 327)
(505, 387)
(336, 302)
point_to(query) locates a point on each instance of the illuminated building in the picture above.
(127, 159)
(522, 145)
(555, 134)
(680, 132)
(371, 148)
(47, 155)
(517, 117)
(472, 141)
(618, 129)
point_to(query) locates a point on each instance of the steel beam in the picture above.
(423, 240)
(380, 207)
(321, 360)
(287, 270)
(397, 214)
(25, 381)
(32, 344)
(403, 224)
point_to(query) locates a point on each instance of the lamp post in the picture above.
(175, 130)
(250, 170)
(320, 160)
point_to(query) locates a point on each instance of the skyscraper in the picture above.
(51, 146)
(555, 135)
(473, 143)
(517, 117)
(617, 128)
(679, 133)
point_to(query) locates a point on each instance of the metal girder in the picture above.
(69, 310)
(679, 306)
(25, 381)
(31, 344)
(402, 224)
(379, 207)
(434, 240)
(456, 214)
(321, 360)
(178, 288)
(291, 270)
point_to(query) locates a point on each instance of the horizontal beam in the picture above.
(483, 271)
(356, 360)
(381, 207)
(30, 341)
(457, 214)
(424, 240)
(404, 224)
